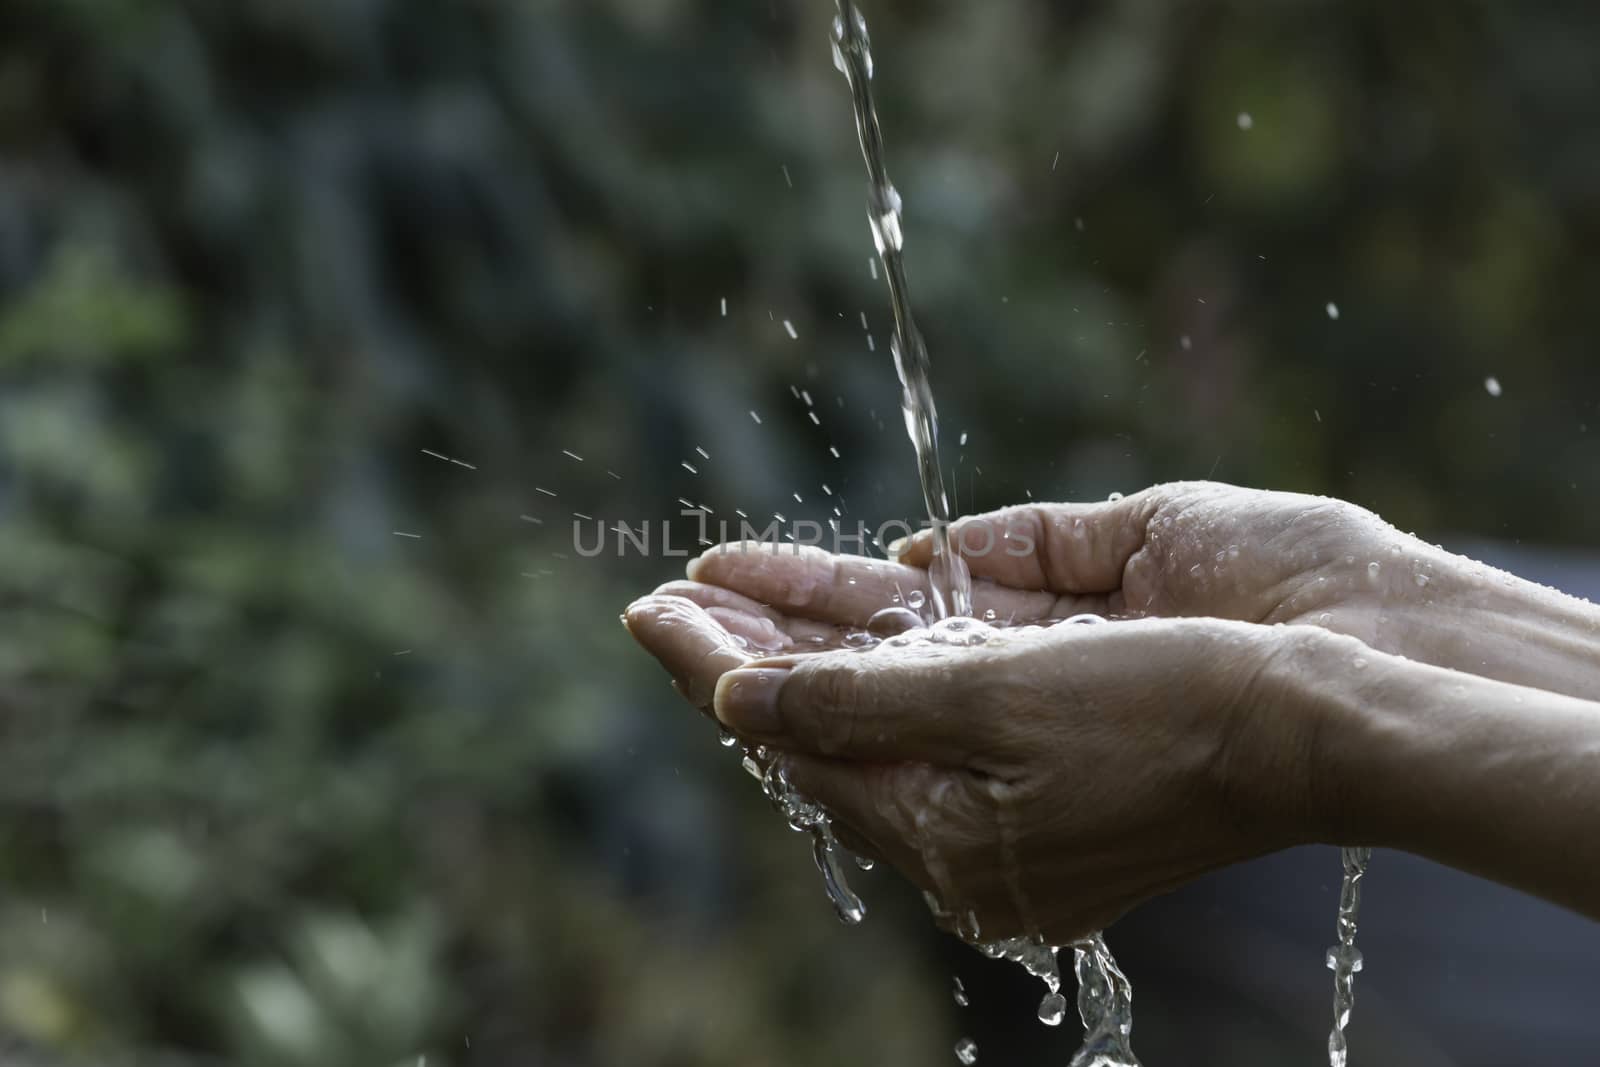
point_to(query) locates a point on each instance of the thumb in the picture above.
(911, 705)
(1064, 548)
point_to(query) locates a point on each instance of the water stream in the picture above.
(1344, 959)
(852, 54)
(1105, 995)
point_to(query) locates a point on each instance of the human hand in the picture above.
(1044, 780)
(1189, 548)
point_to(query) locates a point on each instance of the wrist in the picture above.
(1454, 612)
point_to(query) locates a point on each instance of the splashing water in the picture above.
(852, 54)
(1344, 959)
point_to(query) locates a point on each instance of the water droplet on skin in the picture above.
(1114, 496)
(866, 863)
(990, 615)
(1052, 1009)
(915, 599)
(1358, 664)
(967, 1051)
(726, 739)
(859, 639)
(895, 620)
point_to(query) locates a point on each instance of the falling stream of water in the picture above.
(1105, 996)
(952, 589)
(1344, 959)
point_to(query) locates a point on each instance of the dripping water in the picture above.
(1344, 959)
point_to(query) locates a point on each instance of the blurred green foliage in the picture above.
(280, 787)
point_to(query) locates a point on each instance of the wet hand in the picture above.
(1194, 549)
(1046, 779)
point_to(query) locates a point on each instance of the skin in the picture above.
(1208, 549)
(1052, 777)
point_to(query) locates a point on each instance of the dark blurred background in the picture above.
(318, 749)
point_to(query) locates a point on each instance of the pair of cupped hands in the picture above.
(1046, 780)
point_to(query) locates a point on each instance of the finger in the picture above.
(1065, 548)
(694, 648)
(764, 627)
(909, 704)
(808, 582)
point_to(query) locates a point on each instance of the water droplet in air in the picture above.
(788, 328)
(1052, 1009)
(1492, 385)
(960, 993)
(990, 615)
(963, 437)
(967, 1051)
(865, 863)
(1245, 121)
(1333, 311)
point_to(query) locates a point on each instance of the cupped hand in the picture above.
(1039, 781)
(1193, 548)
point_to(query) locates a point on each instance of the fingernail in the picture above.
(747, 700)
(897, 547)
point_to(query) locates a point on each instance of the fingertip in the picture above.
(746, 700)
(914, 551)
